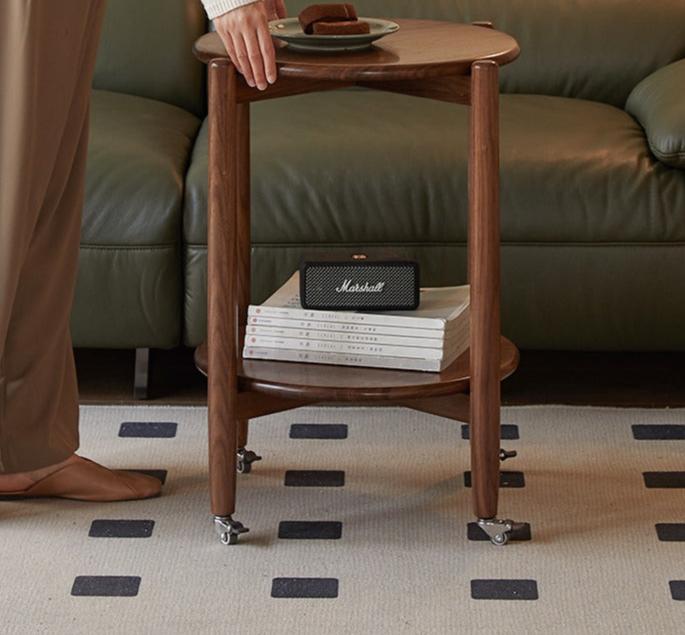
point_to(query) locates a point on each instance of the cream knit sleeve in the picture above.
(215, 8)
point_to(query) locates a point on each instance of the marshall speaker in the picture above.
(360, 283)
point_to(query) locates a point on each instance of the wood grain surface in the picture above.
(484, 276)
(321, 382)
(420, 49)
(222, 308)
(438, 60)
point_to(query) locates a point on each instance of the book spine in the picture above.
(342, 359)
(263, 341)
(345, 317)
(343, 327)
(342, 336)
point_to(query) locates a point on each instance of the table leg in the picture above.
(245, 457)
(222, 297)
(484, 272)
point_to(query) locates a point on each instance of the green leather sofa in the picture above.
(592, 167)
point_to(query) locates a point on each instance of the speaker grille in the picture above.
(323, 284)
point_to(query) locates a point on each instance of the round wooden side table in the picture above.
(450, 62)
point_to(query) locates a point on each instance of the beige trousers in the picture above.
(47, 55)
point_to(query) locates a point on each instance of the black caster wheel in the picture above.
(245, 460)
(507, 454)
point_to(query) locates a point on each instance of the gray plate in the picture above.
(290, 31)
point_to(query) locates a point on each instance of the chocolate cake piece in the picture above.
(356, 27)
(326, 13)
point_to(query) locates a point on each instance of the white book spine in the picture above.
(263, 341)
(342, 359)
(345, 317)
(342, 336)
(343, 327)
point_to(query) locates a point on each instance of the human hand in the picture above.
(245, 34)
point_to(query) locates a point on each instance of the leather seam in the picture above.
(666, 156)
(129, 247)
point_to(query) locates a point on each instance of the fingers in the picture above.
(255, 60)
(243, 60)
(280, 9)
(227, 39)
(245, 34)
(234, 49)
(266, 46)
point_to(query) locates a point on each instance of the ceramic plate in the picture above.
(290, 31)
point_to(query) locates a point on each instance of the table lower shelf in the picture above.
(320, 382)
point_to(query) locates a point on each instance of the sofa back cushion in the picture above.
(591, 49)
(145, 50)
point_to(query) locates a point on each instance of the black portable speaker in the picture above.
(360, 283)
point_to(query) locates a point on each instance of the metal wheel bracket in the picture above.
(245, 458)
(499, 531)
(228, 529)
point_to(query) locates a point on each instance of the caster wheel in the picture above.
(499, 531)
(228, 538)
(245, 459)
(507, 454)
(499, 540)
(228, 529)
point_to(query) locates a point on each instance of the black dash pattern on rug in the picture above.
(315, 478)
(310, 530)
(304, 588)
(106, 586)
(664, 480)
(148, 429)
(121, 528)
(671, 532)
(506, 479)
(677, 590)
(504, 589)
(508, 432)
(520, 532)
(318, 431)
(675, 432)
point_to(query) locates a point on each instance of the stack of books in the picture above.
(428, 339)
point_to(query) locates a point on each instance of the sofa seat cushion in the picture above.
(359, 166)
(129, 286)
(137, 156)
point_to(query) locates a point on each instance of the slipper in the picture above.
(85, 480)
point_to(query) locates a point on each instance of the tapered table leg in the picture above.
(245, 457)
(484, 272)
(222, 297)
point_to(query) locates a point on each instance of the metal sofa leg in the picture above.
(141, 379)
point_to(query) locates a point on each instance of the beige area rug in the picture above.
(393, 553)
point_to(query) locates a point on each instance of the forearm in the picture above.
(215, 8)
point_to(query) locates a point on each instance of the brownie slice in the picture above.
(357, 27)
(326, 13)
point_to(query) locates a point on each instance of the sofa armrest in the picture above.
(658, 103)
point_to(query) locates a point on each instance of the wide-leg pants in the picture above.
(47, 55)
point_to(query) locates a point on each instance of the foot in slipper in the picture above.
(79, 478)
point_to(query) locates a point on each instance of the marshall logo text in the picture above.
(348, 287)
